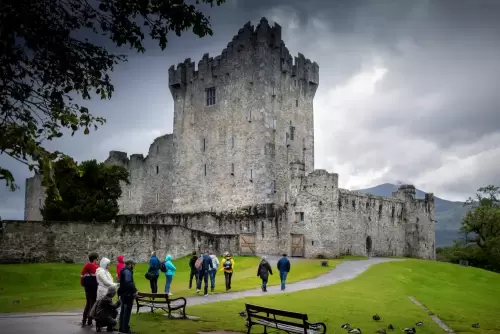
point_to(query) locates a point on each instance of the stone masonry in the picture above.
(243, 140)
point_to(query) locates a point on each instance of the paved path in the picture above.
(67, 323)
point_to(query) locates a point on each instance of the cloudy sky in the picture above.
(407, 91)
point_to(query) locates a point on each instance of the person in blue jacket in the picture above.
(284, 269)
(154, 272)
(169, 273)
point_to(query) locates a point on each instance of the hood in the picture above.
(104, 262)
(121, 259)
(168, 257)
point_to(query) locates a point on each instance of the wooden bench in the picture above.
(267, 317)
(161, 301)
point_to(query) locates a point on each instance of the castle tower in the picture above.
(239, 120)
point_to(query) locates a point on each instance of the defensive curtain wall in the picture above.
(320, 221)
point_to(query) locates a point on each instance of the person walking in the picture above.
(103, 278)
(120, 264)
(194, 271)
(154, 272)
(228, 268)
(89, 283)
(213, 271)
(169, 273)
(263, 272)
(284, 269)
(127, 293)
(206, 266)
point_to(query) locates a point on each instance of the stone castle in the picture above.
(239, 165)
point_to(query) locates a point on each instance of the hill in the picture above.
(448, 214)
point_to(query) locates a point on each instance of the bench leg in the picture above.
(184, 312)
(249, 328)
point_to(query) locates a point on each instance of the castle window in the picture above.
(205, 169)
(304, 144)
(157, 148)
(129, 194)
(251, 175)
(274, 123)
(232, 169)
(157, 169)
(157, 197)
(203, 145)
(249, 115)
(296, 103)
(286, 196)
(299, 217)
(274, 186)
(287, 137)
(232, 142)
(40, 202)
(210, 96)
(292, 132)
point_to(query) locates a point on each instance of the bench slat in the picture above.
(288, 328)
(283, 313)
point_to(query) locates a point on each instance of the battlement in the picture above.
(247, 40)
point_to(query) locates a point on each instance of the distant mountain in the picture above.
(448, 214)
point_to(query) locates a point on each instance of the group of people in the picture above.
(100, 289)
(203, 267)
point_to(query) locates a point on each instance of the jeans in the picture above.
(169, 282)
(264, 285)
(194, 275)
(153, 283)
(90, 297)
(203, 276)
(283, 275)
(110, 323)
(212, 278)
(125, 311)
(228, 277)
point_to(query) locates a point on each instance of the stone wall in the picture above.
(136, 235)
(27, 241)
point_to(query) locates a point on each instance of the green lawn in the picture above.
(56, 287)
(460, 296)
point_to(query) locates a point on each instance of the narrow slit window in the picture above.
(249, 116)
(286, 196)
(292, 132)
(232, 142)
(251, 174)
(274, 123)
(157, 169)
(40, 202)
(210, 96)
(232, 169)
(204, 144)
(274, 186)
(157, 197)
(205, 169)
(296, 103)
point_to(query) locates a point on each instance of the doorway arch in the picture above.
(369, 246)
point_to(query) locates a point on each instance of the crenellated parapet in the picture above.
(117, 158)
(250, 40)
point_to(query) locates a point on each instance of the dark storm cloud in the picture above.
(408, 90)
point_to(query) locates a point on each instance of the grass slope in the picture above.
(56, 287)
(460, 296)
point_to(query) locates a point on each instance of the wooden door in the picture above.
(298, 245)
(247, 244)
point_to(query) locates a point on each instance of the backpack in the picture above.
(228, 264)
(163, 268)
(198, 263)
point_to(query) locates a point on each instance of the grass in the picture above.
(56, 287)
(460, 296)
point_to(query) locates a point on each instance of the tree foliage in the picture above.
(44, 65)
(481, 227)
(89, 191)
